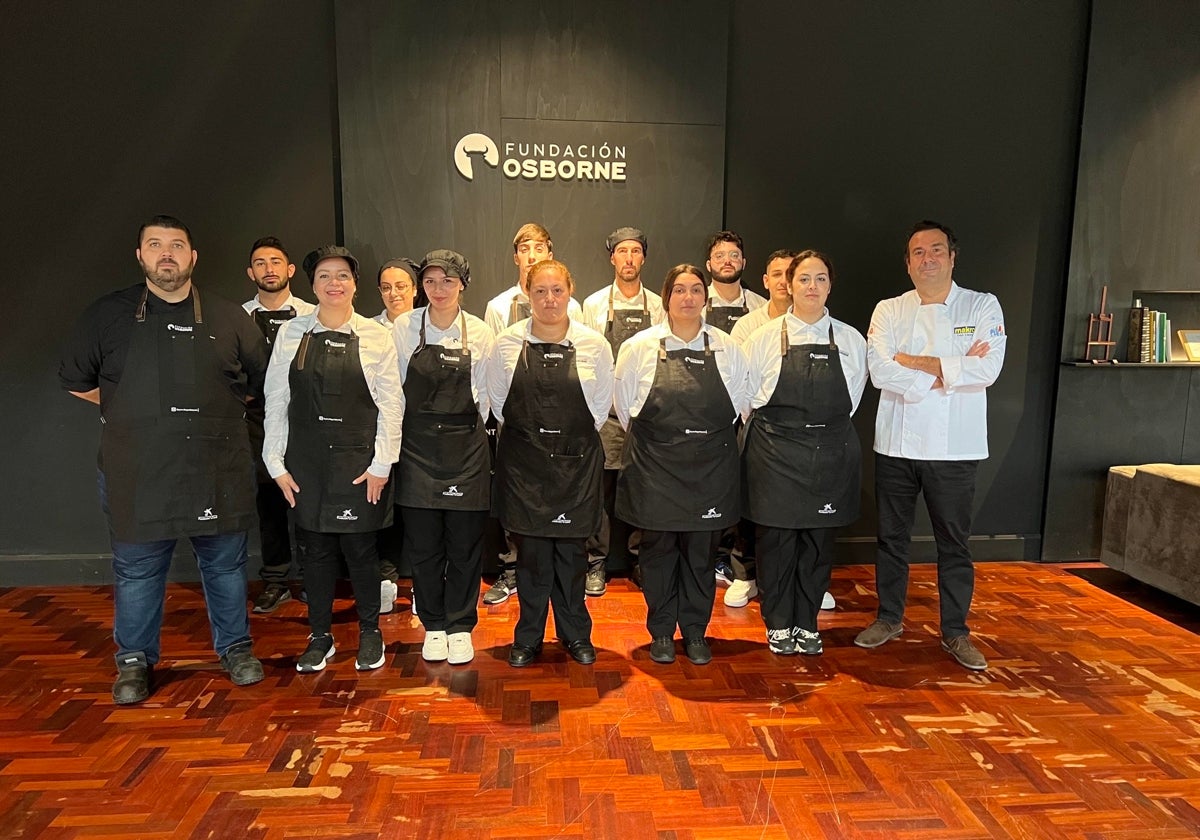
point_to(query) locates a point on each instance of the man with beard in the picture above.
(171, 373)
(271, 271)
(728, 302)
(618, 312)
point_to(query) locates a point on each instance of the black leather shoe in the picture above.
(243, 666)
(662, 650)
(520, 655)
(697, 651)
(581, 651)
(133, 680)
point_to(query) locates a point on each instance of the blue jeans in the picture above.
(140, 585)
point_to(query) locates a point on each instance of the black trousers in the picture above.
(949, 490)
(551, 572)
(615, 539)
(320, 560)
(274, 533)
(390, 544)
(445, 551)
(678, 582)
(793, 573)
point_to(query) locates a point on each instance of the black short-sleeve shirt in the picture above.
(96, 350)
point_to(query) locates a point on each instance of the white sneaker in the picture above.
(740, 592)
(461, 651)
(435, 648)
(387, 595)
(827, 602)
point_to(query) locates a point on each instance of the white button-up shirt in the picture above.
(595, 306)
(406, 331)
(766, 359)
(593, 365)
(500, 307)
(637, 364)
(915, 420)
(376, 355)
(302, 307)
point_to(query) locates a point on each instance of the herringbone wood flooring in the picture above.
(1087, 725)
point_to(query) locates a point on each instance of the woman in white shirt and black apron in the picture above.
(801, 460)
(334, 412)
(681, 385)
(443, 478)
(550, 383)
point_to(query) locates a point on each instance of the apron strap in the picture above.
(783, 337)
(140, 314)
(513, 310)
(832, 343)
(462, 328)
(196, 305)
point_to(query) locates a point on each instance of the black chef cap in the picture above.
(622, 234)
(451, 262)
(325, 252)
(402, 263)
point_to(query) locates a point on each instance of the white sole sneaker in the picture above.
(740, 592)
(460, 649)
(387, 595)
(435, 648)
(827, 602)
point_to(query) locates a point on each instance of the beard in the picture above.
(733, 278)
(169, 278)
(276, 285)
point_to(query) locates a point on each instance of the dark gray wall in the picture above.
(850, 121)
(1137, 226)
(414, 77)
(218, 113)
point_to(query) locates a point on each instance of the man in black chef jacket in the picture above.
(171, 370)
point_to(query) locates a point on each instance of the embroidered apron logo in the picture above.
(692, 361)
(329, 343)
(175, 408)
(561, 519)
(828, 509)
(712, 514)
(178, 328)
(206, 516)
(329, 419)
(818, 355)
(347, 515)
(452, 491)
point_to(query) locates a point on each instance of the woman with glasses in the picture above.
(550, 384)
(801, 464)
(334, 410)
(444, 473)
(397, 281)
(680, 387)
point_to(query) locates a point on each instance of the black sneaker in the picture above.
(243, 666)
(370, 650)
(133, 679)
(271, 597)
(594, 583)
(807, 642)
(697, 650)
(781, 643)
(501, 590)
(320, 649)
(662, 650)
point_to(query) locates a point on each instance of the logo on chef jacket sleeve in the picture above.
(561, 519)
(207, 515)
(451, 491)
(996, 331)
(713, 513)
(347, 515)
(828, 509)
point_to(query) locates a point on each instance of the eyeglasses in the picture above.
(398, 289)
(733, 255)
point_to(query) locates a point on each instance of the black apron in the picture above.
(332, 420)
(802, 464)
(444, 458)
(549, 461)
(622, 325)
(518, 311)
(268, 322)
(724, 317)
(173, 444)
(680, 466)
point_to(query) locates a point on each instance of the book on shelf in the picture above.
(1133, 348)
(1147, 335)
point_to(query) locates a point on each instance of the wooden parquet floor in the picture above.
(1087, 725)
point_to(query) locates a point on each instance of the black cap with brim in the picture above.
(326, 252)
(404, 264)
(622, 235)
(451, 262)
